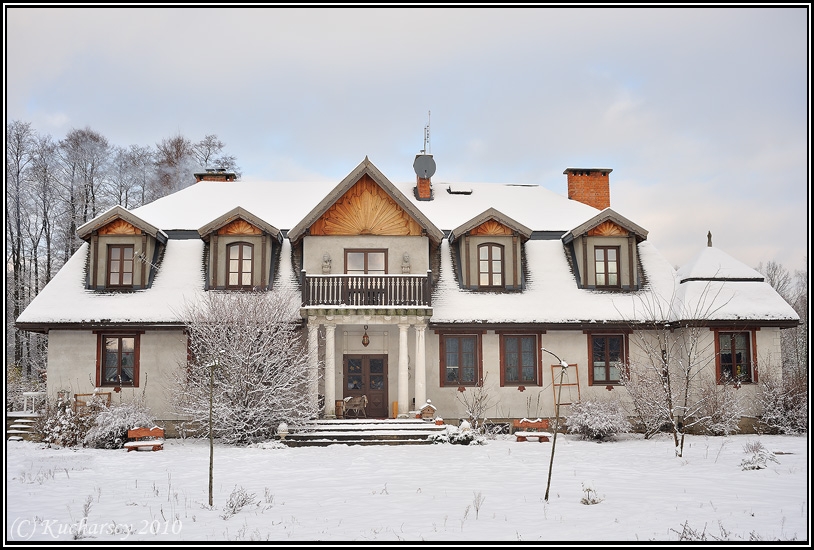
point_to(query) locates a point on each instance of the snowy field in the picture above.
(492, 492)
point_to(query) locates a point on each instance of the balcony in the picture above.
(366, 290)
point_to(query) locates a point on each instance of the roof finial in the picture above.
(709, 238)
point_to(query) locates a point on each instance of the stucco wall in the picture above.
(417, 247)
(72, 366)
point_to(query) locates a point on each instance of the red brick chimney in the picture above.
(424, 167)
(215, 174)
(589, 186)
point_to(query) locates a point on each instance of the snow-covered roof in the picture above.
(551, 294)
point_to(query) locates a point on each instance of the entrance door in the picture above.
(367, 375)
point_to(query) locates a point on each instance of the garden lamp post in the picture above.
(564, 366)
(212, 368)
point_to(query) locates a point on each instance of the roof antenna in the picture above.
(426, 149)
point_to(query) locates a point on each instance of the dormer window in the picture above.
(607, 266)
(490, 265)
(240, 265)
(119, 265)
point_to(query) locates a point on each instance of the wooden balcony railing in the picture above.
(366, 290)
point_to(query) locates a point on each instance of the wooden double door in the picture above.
(367, 375)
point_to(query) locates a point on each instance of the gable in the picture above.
(608, 229)
(239, 227)
(491, 227)
(365, 209)
(119, 227)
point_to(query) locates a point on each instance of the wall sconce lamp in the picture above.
(365, 338)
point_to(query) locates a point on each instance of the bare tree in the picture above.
(670, 362)
(175, 164)
(20, 140)
(248, 365)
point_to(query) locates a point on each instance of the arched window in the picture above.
(490, 265)
(239, 270)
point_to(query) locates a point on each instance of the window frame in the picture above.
(751, 349)
(101, 348)
(623, 358)
(606, 273)
(240, 260)
(442, 345)
(121, 272)
(490, 273)
(366, 252)
(537, 381)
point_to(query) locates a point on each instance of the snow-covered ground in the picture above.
(491, 492)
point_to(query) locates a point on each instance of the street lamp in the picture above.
(564, 366)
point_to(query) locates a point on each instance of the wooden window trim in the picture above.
(240, 272)
(100, 355)
(624, 357)
(121, 272)
(538, 364)
(490, 273)
(604, 250)
(366, 252)
(751, 339)
(443, 357)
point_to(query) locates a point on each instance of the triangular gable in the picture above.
(365, 203)
(239, 221)
(491, 222)
(607, 224)
(119, 221)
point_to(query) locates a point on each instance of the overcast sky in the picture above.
(702, 113)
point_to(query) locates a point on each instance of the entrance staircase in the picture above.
(321, 433)
(21, 425)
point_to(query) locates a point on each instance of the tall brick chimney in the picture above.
(215, 174)
(589, 186)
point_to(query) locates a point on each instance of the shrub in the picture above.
(60, 425)
(463, 435)
(597, 419)
(784, 404)
(719, 409)
(110, 424)
(760, 456)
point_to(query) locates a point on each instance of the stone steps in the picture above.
(21, 425)
(365, 432)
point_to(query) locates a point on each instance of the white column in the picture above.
(420, 375)
(404, 394)
(313, 363)
(330, 371)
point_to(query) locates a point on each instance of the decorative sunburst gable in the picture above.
(239, 221)
(119, 227)
(239, 227)
(491, 227)
(119, 221)
(608, 229)
(491, 222)
(365, 203)
(365, 209)
(607, 223)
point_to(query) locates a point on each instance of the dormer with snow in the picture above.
(240, 251)
(603, 249)
(123, 251)
(489, 251)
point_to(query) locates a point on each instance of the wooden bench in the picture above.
(145, 438)
(531, 428)
(356, 404)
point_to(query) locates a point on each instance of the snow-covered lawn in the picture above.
(491, 492)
